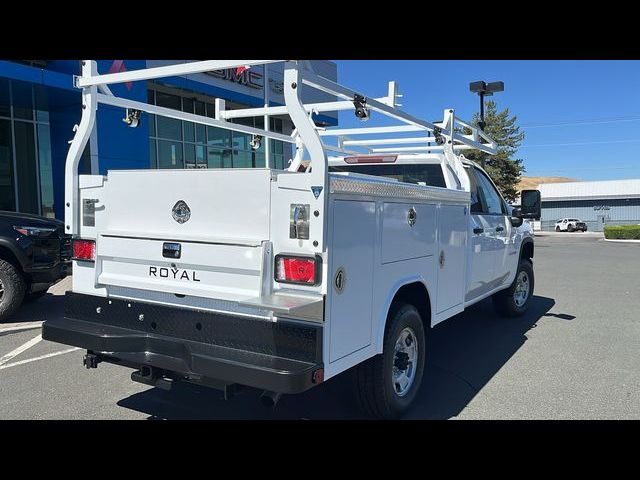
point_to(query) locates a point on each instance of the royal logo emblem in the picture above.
(181, 212)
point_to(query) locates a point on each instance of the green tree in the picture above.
(504, 170)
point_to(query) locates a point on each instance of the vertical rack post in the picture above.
(78, 144)
(318, 177)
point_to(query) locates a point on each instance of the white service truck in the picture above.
(282, 279)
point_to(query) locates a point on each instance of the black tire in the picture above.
(557, 229)
(12, 289)
(373, 379)
(570, 228)
(504, 301)
(34, 296)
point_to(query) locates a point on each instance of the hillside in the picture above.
(531, 183)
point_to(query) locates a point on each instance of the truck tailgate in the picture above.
(220, 239)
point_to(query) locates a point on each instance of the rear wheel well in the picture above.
(415, 294)
(527, 251)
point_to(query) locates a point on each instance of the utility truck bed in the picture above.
(282, 279)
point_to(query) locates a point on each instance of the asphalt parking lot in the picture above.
(574, 355)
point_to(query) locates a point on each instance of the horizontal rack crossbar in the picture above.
(190, 117)
(166, 71)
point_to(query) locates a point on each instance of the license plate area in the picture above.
(171, 250)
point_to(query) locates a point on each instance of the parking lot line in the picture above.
(16, 327)
(41, 357)
(22, 348)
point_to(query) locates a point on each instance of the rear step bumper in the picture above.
(277, 356)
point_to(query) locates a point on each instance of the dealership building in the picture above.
(611, 202)
(39, 107)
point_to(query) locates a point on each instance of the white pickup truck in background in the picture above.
(570, 225)
(337, 262)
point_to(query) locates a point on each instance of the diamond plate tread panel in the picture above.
(280, 339)
(381, 188)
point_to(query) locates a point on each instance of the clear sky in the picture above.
(581, 118)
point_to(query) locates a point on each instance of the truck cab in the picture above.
(335, 263)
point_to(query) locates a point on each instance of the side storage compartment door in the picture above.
(351, 292)
(452, 241)
(405, 238)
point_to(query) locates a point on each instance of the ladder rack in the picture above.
(306, 136)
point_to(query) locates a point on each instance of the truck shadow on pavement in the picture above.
(50, 305)
(465, 353)
(45, 307)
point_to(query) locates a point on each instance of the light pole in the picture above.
(484, 89)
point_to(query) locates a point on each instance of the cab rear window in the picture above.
(430, 174)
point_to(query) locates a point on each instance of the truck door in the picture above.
(490, 231)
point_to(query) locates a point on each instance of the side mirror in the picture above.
(516, 217)
(530, 204)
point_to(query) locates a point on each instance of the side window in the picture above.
(476, 203)
(492, 200)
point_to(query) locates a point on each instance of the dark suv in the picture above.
(35, 253)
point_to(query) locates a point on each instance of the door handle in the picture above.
(478, 230)
(499, 229)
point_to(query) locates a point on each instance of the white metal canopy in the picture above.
(444, 137)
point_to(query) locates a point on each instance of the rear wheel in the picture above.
(557, 229)
(514, 301)
(387, 384)
(12, 288)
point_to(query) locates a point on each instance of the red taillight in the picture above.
(302, 270)
(84, 249)
(318, 376)
(371, 159)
